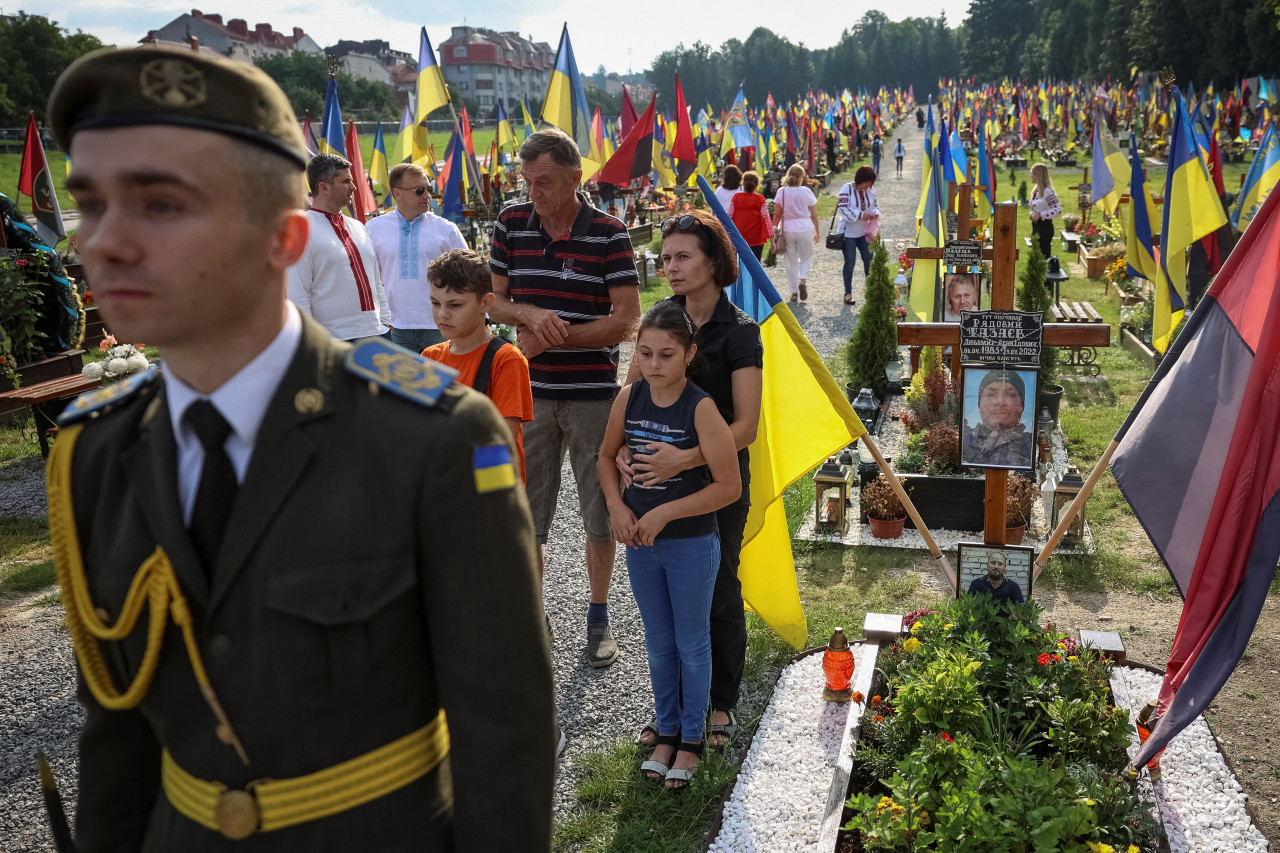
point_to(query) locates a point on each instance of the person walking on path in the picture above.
(669, 527)
(564, 276)
(1044, 207)
(795, 214)
(859, 222)
(730, 185)
(407, 240)
(899, 151)
(750, 214)
(729, 366)
(877, 148)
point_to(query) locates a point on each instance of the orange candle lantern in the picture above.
(837, 665)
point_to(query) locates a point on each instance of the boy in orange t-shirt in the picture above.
(461, 295)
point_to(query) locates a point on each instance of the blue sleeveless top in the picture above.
(646, 423)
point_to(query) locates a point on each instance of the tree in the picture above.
(34, 51)
(875, 338)
(1034, 295)
(304, 78)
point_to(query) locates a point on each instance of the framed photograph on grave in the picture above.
(1002, 571)
(998, 414)
(962, 293)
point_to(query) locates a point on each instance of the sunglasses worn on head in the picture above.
(415, 190)
(679, 223)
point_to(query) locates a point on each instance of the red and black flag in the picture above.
(634, 157)
(683, 150)
(628, 116)
(35, 180)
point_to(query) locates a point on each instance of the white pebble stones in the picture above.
(778, 801)
(1200, 801)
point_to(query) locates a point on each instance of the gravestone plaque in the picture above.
(953, 222)
(1084, 195)
(962, 253)
(1001, 338)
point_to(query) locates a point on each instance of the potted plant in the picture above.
(885, 512)
(1020, 494)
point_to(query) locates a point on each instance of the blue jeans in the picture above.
(854, 246)
(416, 339)
(672, 581)
(875, 163)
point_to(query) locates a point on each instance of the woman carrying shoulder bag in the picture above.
(795, 213)
(859, 223)
(1045, 207)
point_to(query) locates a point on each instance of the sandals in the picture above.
(804, 291)
(657, 768)
(725, 730)
(683, 777)
(848, 299)
(650, 727)
(795, 297)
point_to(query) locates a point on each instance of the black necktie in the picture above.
(218, 484)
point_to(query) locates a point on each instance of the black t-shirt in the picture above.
(729, 341)
(645, 422)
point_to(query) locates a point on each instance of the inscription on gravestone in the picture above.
(953, 222)
(1008, 338)
(967, 253)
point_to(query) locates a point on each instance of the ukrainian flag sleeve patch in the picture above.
(493, 468)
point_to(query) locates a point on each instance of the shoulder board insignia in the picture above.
(399, 370)
(96, 402)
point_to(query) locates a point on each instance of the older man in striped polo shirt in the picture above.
(564, 275)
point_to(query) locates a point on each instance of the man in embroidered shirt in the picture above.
(564, 274)
(336, 280)
(406, 240)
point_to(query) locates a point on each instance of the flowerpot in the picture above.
(1049, 397)
(1013, 535)
(886, 529)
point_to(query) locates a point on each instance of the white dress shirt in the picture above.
(242, 400)
(321, 282)
(404, 249)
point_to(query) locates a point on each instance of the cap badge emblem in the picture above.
(173, 83)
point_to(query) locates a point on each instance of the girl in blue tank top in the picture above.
(669, 530)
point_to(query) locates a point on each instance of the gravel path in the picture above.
(596, 707)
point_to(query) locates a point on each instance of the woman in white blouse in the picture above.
(795, 210)
(859, 223)
(1045, 207)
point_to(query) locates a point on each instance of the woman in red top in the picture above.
(750, 214)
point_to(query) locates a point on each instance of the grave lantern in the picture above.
(831, 497)
(866, 405)
(837, 666)
(893, 372)
(1055, 276)
(1044, 437)
(1063, 494)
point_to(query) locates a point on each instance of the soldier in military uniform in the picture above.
(299, 575)
(1000, 439)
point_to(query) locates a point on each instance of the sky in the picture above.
(613, 38)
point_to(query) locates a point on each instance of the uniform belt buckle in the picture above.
(237, 815)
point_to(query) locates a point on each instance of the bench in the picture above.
(47, 400)
(1085, 359)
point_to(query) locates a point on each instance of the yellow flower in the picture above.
(912, 645)
(948, 626)
(1133, 848)
(1099, 847)
(1072, 658)
(915, 629)
(1062, 646)
(885, 803)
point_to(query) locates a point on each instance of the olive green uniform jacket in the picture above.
(363, 585)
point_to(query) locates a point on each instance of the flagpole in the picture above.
(1076, 506)
(923, 530)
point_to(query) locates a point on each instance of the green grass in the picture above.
(26, 563)
(11, 164)
(18, 441)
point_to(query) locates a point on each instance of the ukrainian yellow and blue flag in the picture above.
(493, 468)
(986, 198)
(1110, 169)
(1140, 252)
(432, 93)
(528, 119)
(506, 136)
(1263, 174)
(378, 171)
(565, 105)
(332, 139)
(804, 418)
(1191, 210)
(926, 278)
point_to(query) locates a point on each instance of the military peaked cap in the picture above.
(153, 85)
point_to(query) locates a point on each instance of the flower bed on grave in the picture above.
(991, 732)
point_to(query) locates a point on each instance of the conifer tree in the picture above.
(875, 338)
(1034, 295)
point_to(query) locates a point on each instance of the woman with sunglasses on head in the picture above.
(406, 240)
(699, 263)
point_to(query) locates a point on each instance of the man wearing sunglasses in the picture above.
(406, 240)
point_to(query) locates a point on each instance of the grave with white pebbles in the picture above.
(1201, 803)
(789, 794)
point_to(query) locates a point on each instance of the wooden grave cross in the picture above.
(1003, 255)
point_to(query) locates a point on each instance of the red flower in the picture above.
(875, 701)
(946, 737)
(1046, 659)
(87, 299)
(23, 262)
(878, 718)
